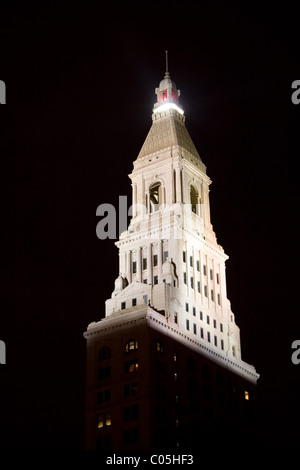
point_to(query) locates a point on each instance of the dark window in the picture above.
(192, 282)
(103, 442)
(130, 389)
(191, 261)
(198, 286)
(131, 437)
(123, 305)
(211, 274)
(159, 366)
(154, 260)
(183, 256)
(144, 263)
(184, 278)
(103, 396)
(133, 302)
(104, 354)
(155, 196)
(187, 324)
(166, 254)
(204, 270)
(134, 267)
(198, 265)
(194, 199)
(104, 373)
(155, 280)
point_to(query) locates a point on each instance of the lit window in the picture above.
(164, 95)
(131, 366)
(247, 397)
(131, 345)
(103, 420)
(159, 347)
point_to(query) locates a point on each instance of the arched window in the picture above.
(104, 354)
(159, 347)
(194, 200)
(131, 345)
(155, 196)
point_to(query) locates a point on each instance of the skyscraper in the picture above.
(164, 367)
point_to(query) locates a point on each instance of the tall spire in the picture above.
(167, 71)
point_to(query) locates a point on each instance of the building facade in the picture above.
(164, 367)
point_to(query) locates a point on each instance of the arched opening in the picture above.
(104, 354)
(155, 197)
(194, 199)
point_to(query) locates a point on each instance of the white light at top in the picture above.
(166, 106)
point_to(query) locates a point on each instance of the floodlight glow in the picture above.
(166, 106)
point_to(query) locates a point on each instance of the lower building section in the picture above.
(148, 389)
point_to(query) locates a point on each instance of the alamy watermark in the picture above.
(296, 94)
(2, 92)
(296, 354)
(2, 352)
(168, 217)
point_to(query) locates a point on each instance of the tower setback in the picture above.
(164, 367)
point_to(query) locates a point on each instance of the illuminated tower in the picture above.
(168, 319)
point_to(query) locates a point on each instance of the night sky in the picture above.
(80, 81)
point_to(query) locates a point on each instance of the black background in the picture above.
(80, 81)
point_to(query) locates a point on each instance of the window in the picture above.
(159, 366)
(194, 199)
(183, 256)
(187, 324)
(155, 280)
(159, 347)
(194, 329)
(130, 389)
(184, 278)
(155, 197)
(211, 274)
(201, 333)
(201, 315)
(212, 295)
(194, 311)
(186, 307)
(104, 354)
(131, 366)
(154, 260)
(192, 282)
(131, 437)
(104, 373)
(221, 327)
(191, 261)
(247, 396)
(123, 305)
(166, 254)
(198, 286)
(144, 263)
(233, 351)
(215, 323)
(103, 420)
(198, 265)
(222, 344)
(175, 317)
(175, 356)
(205, 291)
(145, 298)
(103, 396)
(103, 442)
(130, 413)
(134, 267)
(208, 336)
(131, 345)
(204, 270)
(219, 299)
(215, 341)
(133, 302)
(218, 278)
